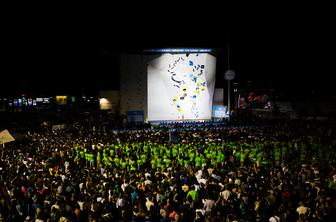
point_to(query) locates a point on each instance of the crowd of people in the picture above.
(284, 171)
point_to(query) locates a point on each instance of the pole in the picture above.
(228, 57)
(229, 99)
(2, 152)
(224, 97)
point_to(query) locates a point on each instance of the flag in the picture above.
(6, 137)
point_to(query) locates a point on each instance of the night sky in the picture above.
(294, 56)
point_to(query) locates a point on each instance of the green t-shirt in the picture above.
(198, 161)
(168, 162)
(193, 194)
(116, 161)
(277, 155)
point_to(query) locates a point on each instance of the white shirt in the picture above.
(202, 181)
(147, 175)
(81, 186)
(149, 204)
(66, 165)
(274, 219)
(225, 194)
(199, 175)
(208, 204)
(81, 205)
(59, 189)
(120, 202)
(147, 182)
(123, 186)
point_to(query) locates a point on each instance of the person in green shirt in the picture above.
(168, 162)
(186, 163)
(106, 160)
(193, 193)
(260, 156)
(180, 149)
(204, 161)
(174, 152)
(158, 162)
(124, 164)
(153, 164)
(208, 155)
(213, 154)
(143, 158)
(180, 161)
(252, 154)
(219, 159)
(116, 161)
(277, 156)
(198, 161)
(91, 158)
(191, 155)
(112, 152)
(237, 155)
(168, 152)
(139, 163)
(98, 159)
(284, 151)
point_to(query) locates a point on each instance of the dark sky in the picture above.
(294, 55)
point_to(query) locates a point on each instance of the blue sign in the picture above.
(220, 111)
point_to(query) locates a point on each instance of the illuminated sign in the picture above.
(46, 100)
(61, 100)
(39, 100)
(220, 111)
